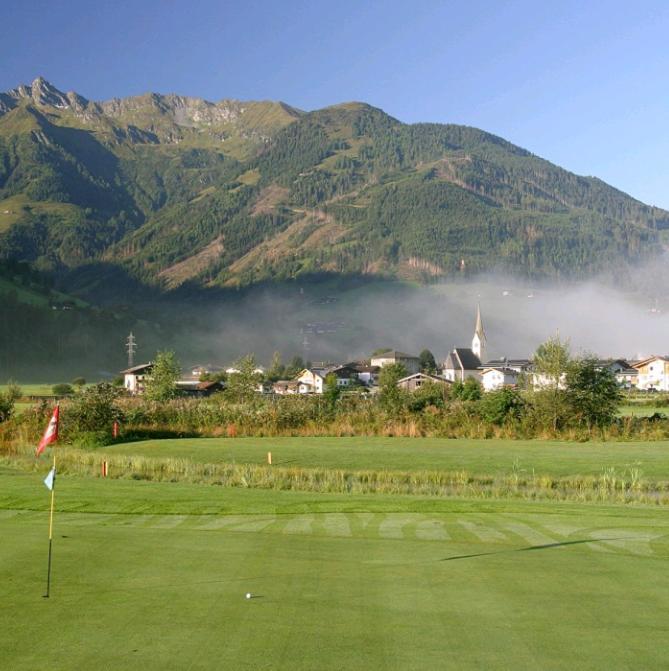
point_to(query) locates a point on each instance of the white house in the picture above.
(135, 377)
(653, 373)
(498, 378)
(310, 382)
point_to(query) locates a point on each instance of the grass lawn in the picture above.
(32, 389)
(480, 457)
(153, 576)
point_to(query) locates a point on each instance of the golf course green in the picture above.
(150, 575)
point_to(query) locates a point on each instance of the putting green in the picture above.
(481, 457)
(155, 578)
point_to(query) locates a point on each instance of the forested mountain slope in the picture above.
(174, 191)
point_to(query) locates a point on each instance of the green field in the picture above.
(478, 457)
(153, 576)
(32, 389)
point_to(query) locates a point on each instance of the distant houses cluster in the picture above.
(461, 364)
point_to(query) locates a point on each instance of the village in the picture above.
(650, 374)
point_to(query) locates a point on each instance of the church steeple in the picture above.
(478, 341)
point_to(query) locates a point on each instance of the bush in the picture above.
(8, 399)
(62, 389)
(498, 406)
(94, 410)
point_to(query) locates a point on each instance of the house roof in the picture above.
(393, 354)
(137, 369)
(501, 369)
(508, 363)
(425, 376)
(643, 362)
(462, 358)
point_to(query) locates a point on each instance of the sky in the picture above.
(583, 84)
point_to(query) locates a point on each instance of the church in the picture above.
(464, 362)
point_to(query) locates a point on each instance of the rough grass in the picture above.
(153, 576)
(624, 486)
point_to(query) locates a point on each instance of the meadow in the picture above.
(154, 575)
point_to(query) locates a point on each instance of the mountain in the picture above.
(168, 191)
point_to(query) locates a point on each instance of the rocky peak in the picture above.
(44, 93)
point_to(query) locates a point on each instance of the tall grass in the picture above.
(610, 486)
(292, 416)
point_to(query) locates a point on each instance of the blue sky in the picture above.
(583, 84)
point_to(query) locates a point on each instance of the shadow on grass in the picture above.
(531, 548)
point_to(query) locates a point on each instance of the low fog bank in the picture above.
(318, 323)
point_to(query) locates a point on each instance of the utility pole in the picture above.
(131, 348)
(305, 347)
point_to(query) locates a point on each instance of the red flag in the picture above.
(51, 433)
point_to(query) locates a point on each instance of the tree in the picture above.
(391, 396)
(552, 362)
(161, 385)
(79, 382)
(427, 362)
(593, 393)
(294, 367)
(331, 391)
(8, 399)
(428, 394)
(276, 369)
(469, 390)
(62, 389)
(242, 385)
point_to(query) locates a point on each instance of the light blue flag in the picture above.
(50, 479)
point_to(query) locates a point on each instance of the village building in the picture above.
(205, 369)
(493, 378)
(461, 364)
(465, 362)
(346, 374)
(367, 374)
(135, 378)
(653, 373)
(198, 389)
(626, 375)
(310, 382)
(417, 380)
(389, 357)
(286, 387)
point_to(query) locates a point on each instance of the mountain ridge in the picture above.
(177, 190)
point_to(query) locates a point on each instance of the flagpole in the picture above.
(53, 496)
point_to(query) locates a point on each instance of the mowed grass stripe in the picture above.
(149, 598)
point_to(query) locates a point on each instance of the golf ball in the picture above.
(248, 595)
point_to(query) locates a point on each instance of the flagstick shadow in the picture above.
(532, 548)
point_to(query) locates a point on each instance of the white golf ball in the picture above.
(248, 595)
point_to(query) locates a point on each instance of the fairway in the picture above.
(153, 576)
(480, 457)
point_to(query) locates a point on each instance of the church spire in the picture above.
(478, 341)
